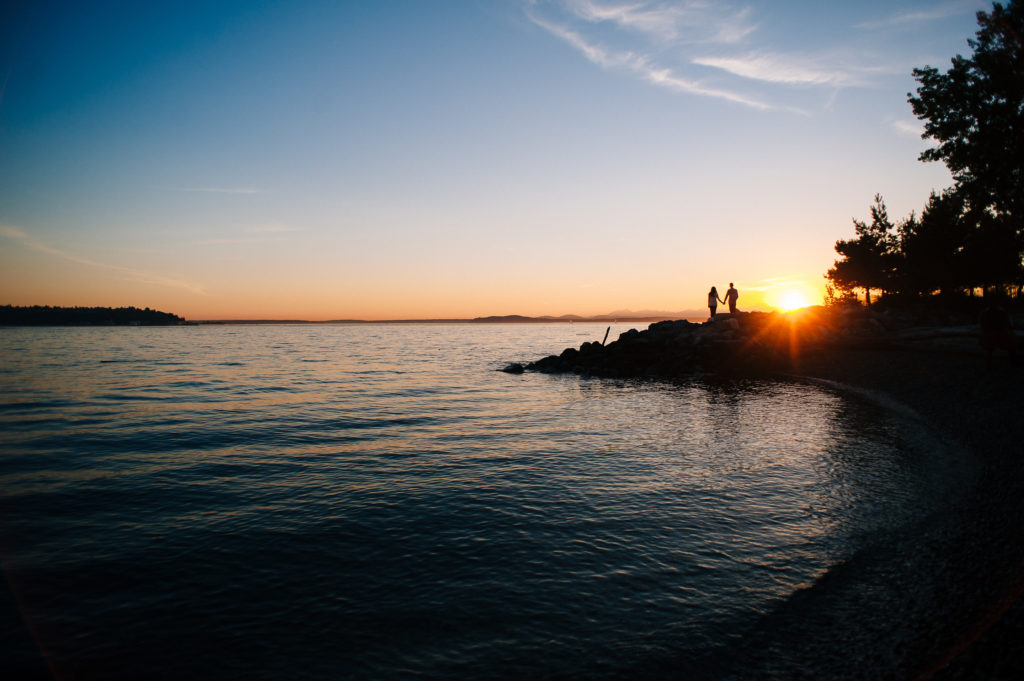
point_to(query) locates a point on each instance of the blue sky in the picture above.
(462, 158)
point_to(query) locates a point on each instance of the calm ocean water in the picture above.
(378, 502)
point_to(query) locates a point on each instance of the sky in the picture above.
(453, 159)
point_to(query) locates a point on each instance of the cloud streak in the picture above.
(132, 274)
(695, 21)
(908, 128)
(693, 47)
(945, 11)
(642, 66)
(774, 68)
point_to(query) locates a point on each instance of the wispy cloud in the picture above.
(775, 68)
(908, 128)
(696, 21)
(666, 78)
(642, 66)
(949, 9)
(135, 275)
(674, 44)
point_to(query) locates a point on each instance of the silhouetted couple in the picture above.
(730, 297)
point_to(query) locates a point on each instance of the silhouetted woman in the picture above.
(713, 301)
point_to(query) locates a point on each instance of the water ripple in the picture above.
(376, 502)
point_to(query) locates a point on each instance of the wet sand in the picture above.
(941, 599)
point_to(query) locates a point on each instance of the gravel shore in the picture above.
(940, 600)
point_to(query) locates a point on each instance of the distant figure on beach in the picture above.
(996, 329)
(713, 301)
(730, 297)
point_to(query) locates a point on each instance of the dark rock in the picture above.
(627, 335)
(635, 340)
(514, 368)
(550, 364)
(755, 343)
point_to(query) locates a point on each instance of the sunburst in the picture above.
(793, 300)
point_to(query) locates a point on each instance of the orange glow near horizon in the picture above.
(793, 297)
(294, 301)
(202, 288)
(793, 300)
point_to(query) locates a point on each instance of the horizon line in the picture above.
(496, 319)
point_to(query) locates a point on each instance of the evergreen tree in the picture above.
(868, 262)
(975, 112)
(932, 255)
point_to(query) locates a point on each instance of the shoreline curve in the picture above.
(946, 603)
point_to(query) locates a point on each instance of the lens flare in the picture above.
(793, 300)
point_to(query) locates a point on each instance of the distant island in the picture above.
(46, 315)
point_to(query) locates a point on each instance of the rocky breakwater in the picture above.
(745, 343)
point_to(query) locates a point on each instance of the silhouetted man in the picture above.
(730, 297)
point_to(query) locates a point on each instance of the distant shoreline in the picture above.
(47, 315)
(509, 319)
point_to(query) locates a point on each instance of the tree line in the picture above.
(45, 315)
(969, 236)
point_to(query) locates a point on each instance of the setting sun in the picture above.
(792, 300)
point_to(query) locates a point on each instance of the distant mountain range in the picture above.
(618, 315)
